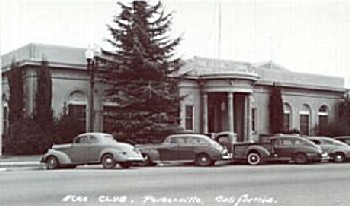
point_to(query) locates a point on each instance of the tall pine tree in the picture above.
(276, 110)
(43, 99)
(142, 80)
(16, 100)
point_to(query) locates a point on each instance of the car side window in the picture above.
(318, 142)
(287, 142)
(173, 140)
(195, 141)
(83, 140)
(181, 140)
(93, 139)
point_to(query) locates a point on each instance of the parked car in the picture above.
(194, 148)
(345, 139)
(338, 151)
(278, 148)
(92, 148)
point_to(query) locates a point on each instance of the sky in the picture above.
(302, 36)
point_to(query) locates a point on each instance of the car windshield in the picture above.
(304, 141)
(211, 141)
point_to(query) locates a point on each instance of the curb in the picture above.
(6, 166)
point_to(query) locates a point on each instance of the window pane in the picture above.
(286, 125)
(254, 119)
(322, 121)
(304, 124)
(189, 117)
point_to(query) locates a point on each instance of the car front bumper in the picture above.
(317, 157)
(227, 156)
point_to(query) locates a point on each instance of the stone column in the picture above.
(230, 111)
(205, 113)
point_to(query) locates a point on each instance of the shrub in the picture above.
(27, 137)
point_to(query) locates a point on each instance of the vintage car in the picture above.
(193, 148)
(92, 148)
(338, 151)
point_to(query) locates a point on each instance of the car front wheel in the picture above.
(254, 158)
(108, 161)
(204, 160)
(52, 162)
(339, 158)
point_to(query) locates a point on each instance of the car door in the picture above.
(283, 147)
(94, 149)
(168, 150)
(185, 149)
(79, 152)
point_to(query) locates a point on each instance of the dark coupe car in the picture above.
(193, 148)
(338, 151)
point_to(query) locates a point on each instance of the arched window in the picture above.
(322, 116)
(287, 115)
(305, 120)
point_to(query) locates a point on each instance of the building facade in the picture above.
(220, 95)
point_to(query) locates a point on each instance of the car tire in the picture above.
(300, 158)
(254, 158)
(125, 165)
(339, 158)
(52, 163)
(108, 161)
(203, 159)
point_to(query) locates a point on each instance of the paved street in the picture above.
(319, 184)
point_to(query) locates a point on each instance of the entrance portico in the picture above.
(225, 90)
(227, 111)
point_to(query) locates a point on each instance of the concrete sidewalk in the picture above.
(12, 162)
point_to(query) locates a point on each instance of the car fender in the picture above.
(213, 153)
(153, 154)
(261, 150)
(62, 157)
(337, 150)
(117, 153)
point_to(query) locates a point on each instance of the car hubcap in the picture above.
(52, 163)
(108, 160)
(254, 159)
(338, 158)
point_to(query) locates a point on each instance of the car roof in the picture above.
(188, 134)
(318, 137)
(342, 137)
(99, 134)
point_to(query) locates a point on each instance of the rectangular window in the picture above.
(286, 122)
(304, 124)
(189, 117)
(254, 117)
(322, 121)
(77, 111)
